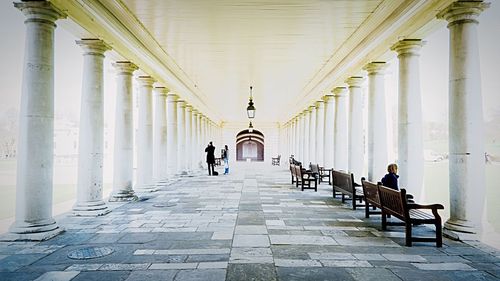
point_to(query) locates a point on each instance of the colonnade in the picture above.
(170, 139)
(339, 127)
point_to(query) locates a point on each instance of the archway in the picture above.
(250, 146)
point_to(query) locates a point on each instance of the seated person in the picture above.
(390, 180)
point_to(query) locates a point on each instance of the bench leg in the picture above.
(384, 221)
(408, 227)
(343, 198)
(316, 185)
(439, 235)
(367, 210)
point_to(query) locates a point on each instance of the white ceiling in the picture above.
(291, 51)
(224, 46)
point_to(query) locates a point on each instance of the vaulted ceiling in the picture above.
(291, 51)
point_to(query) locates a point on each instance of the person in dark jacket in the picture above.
(391, 178)
(210, 158)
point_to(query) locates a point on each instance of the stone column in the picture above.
(124, 132)
(144, 137)
(410, 139)
(35, 149)
(301, 138)
(171, 134)
(312, 134)
(320, 132)
(377, 124)
(181, 137)
(160, 134)
(189, 137)
(356, 136)
(329, 131)
(196, 139)
(340, 135)
(91, 136)
(466, 156)
(307, 118)
(296, 137)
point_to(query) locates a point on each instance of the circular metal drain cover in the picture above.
(164, 205)
(90, 253)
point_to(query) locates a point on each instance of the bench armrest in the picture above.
(418, 206)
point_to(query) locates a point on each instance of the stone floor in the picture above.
(250, 225)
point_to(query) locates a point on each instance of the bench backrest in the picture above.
(314, 168)
(370, 191)
(343, 181)
(393, 202)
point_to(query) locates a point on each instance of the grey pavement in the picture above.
(249, 225)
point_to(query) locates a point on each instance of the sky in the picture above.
(68, 68)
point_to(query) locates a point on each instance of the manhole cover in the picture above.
(164, 205)
(90, 253)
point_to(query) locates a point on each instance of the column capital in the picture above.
(181, 103)
(327, 98)
(171, 97)
(95, 47)
(189, 107)
(312, 107)
(319, 103)
(195, 111)
(376, 67)
(125, 67)
(461, 11)
(146, 81)
(340, 91)
(355, 81)
(162, 91)
(40, 11)
(408, 47)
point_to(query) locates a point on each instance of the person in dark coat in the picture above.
(390, 180)
(210, 158)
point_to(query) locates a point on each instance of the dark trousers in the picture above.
(210, 170)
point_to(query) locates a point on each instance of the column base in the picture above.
(460, 230)
(123, 197)
(32, 232)
(90, 209)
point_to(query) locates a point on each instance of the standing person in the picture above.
(225, 157)
(210, 158)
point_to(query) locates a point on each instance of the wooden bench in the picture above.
(321, 172)
(292, 172)
(372, 201)
(394, 202)
(304, 178)
(345, 185)
(275, 161)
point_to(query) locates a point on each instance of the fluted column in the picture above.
(466, 145)
(144, 136)
(181, 137)
(91, 135)
(35, 149)
(189, 137)
(329, 131)
(356, 137)
(377, 126)
(160, 134)
(171, 134)
(124, 133)
(312, 134)
(320, 132)
(340, 135)
(307, 137)
(410, 138)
